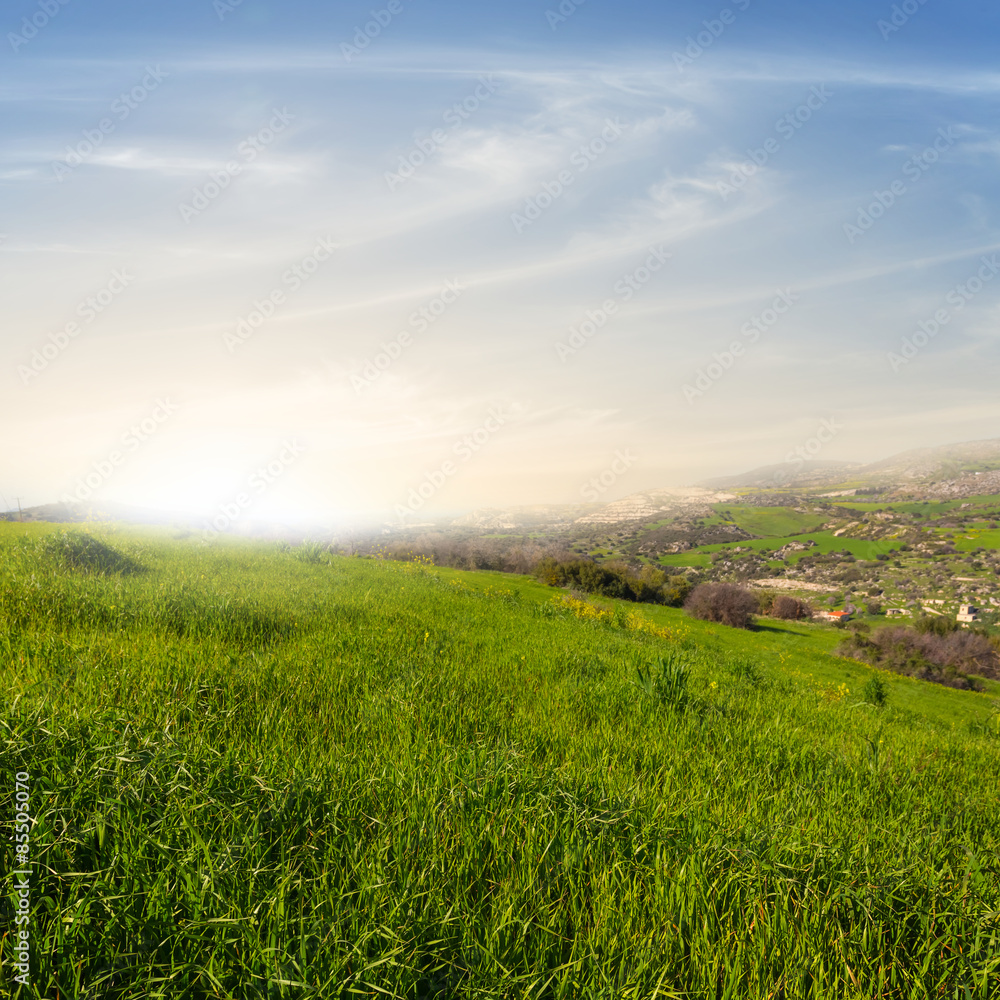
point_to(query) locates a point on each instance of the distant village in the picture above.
(966, 616)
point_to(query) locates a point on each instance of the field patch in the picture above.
(772, 522)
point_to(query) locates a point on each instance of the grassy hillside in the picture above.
(257, 772)
(771, 522)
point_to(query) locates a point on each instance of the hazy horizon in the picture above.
(497, 251)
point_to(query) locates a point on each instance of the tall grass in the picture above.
(258, 775)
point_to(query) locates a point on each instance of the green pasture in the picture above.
(771, 522)
(825, 541)
(258, 772)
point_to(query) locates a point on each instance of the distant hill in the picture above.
(932, 464)
(78, 513)
(919, 470)
(808, 474)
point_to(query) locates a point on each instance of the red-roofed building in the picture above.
(836, 616)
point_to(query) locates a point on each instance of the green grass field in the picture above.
(772, 522)
(825, 541)
(256, 772)
(973, 538)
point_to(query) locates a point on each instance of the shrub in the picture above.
(676, 590)
(722, 602)
(765, 601)
(790, 608)
(649, 585)
(935, 625)
(944, 659)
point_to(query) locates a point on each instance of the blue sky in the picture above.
(491, 249)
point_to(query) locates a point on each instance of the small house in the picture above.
(967, 613)
(836, 616)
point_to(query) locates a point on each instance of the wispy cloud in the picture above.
(658, 184)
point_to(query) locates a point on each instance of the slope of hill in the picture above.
(907, 470)
(928, 464)
(258, 771)
(804, 476)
